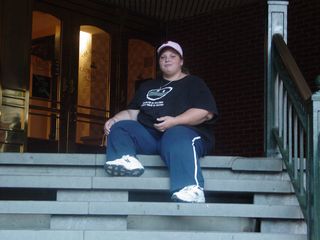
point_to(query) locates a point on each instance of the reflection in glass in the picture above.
(12, 124)
(93, 84)
(44, 83)
(141, 64)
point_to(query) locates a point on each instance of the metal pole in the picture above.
(313, 170)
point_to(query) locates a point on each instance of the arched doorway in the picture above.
(93, 100)
(69, 98)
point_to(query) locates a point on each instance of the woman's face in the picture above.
(170, 62)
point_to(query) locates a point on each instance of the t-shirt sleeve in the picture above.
(135, 102)
(202, 98)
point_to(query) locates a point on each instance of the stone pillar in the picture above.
(277, 24)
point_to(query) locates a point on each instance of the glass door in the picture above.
(93, 90)
(69, 84)
(44, 84)
(71, 91)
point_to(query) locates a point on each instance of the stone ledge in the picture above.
(151, 209)
(62, 159)
(140, 183)
(137, 235)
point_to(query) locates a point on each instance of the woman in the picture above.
(169, 116)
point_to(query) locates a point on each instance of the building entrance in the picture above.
(69, 85)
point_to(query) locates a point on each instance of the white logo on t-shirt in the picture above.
(156, 94)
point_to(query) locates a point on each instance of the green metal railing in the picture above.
(296, 131)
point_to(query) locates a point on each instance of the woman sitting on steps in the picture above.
(170, 116)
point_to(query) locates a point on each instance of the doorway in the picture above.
(44, 83)
(93, 94)
(68, 108)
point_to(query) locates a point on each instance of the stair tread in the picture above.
(224, 185)
(60, 159)
(140, 183)
(133, 235)
(151, 208)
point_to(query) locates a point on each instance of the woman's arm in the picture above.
(193, 116)
(129, 114)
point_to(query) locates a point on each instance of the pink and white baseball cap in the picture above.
(173, 45)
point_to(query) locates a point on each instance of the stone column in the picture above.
(277, 24)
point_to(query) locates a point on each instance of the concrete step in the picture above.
(283, 199)
(178, 223)
(152, 223)
(135, 235)
(134, 222)
(281, 226)
(88, 222)
(151, 209)
(91, 165)
(51, 159)
(98, 171)
(89, 204)
(24, 221)
(140, 183)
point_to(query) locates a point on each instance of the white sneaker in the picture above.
(124, 166)
(190, 194)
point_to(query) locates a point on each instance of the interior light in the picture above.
(85, 40)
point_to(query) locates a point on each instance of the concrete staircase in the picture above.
(70, 197)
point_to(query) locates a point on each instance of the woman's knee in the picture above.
(182, 138)
(179, 133)
(123, 124)
(122, 127)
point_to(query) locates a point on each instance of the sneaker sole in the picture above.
(119, 170)
(176, 199)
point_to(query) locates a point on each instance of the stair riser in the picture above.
(91, 196)
(153, 223)
(88, 223)
(165, 223)
(271, 199)
(24, 221)
(278, 226)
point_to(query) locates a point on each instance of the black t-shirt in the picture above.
(160, 97)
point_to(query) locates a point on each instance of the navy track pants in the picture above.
(180, 147)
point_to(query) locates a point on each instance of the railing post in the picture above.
(313, 168)
(277, 23)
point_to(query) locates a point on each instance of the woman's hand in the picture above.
(191, 117)
(165, 123)
(108, 125)
(129, 114)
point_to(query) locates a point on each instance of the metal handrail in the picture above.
(57, 111)
(291, 67)
(59, 103)
(296, 131)
(42, 108)
(91, 108)
(54, 113)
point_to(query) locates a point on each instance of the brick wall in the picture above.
(226, 49)
(304, 37)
